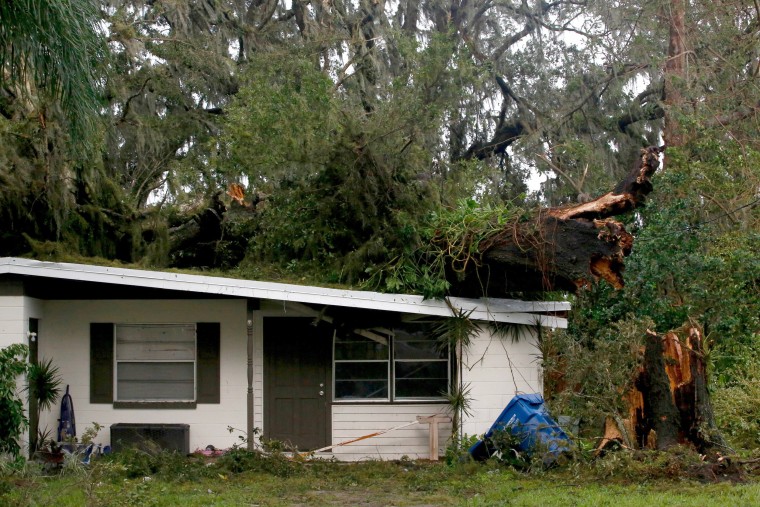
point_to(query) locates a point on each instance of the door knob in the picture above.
(321, 393)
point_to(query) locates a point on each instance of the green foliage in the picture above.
(506, 449)
(444, 245)
(133, 463)
(735, 399)
(12, 366)
(589, 370)
(457, 450)
(44, 383)
(283, 123)
(240, 460)
(650, 465)
(625, 479)
(51, 49)
(345, 189)
(456, 332)
(694, 260)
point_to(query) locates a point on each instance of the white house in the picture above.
(308, 365)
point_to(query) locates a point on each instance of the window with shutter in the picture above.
(154, 365)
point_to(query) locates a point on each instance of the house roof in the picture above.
(487, 309)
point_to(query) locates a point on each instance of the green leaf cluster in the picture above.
(13, 421)
(50, 49)
(441, 248)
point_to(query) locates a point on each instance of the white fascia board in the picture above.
(491, 309)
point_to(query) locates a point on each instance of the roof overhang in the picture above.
(485, 309)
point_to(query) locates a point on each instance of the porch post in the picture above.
(250, 307)
(34, 417)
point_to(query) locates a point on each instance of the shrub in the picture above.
(13, 421)
(241, 460)
(735, 402)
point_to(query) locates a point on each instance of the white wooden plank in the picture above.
(364, 427)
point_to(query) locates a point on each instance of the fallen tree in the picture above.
(557, 249)
(562, 248)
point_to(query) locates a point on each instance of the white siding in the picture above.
(13, 326)
(496, 368)
(351, 421)
(66, 341)
(33, 309)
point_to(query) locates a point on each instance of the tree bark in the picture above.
(562, 248)
(193, 243)
(659, 412)
(670, 404)
(675, 71)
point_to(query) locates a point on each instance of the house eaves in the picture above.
(486, 309)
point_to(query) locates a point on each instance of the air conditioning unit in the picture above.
(148, 437)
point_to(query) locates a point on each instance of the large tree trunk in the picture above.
(685, 377)
(562, 248)
(670, 403)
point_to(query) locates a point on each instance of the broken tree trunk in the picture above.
(670, 403)
(194, 242)
(562, 248)
(684, 376)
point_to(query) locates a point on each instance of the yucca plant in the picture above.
(44, 387)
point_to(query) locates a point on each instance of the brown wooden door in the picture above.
(297, 359)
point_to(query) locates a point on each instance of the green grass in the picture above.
(406, 483)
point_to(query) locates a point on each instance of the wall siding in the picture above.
(355, 420)
(66, 341)
(12, 325)
(496, 369)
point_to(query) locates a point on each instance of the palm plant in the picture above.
(44, 387)
(51, 47)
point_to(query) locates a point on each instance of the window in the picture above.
(155, 365)
(401, 364)
(421, 368)
(155, 362)
(361, 366)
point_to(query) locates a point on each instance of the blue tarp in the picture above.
(526, 416)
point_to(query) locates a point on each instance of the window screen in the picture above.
(420, 366)
(405, 363)
(361, 366)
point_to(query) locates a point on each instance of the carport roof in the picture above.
(487, 309)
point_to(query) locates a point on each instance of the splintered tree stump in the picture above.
(562, 248)
(670, 404)
(658, 390)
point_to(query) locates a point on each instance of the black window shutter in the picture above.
(208, 362)
(101, 362)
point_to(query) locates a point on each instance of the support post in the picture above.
(433, 421)
(250, 307)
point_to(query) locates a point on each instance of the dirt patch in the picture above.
(372, 498)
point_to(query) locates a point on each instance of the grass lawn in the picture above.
(188, 482)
